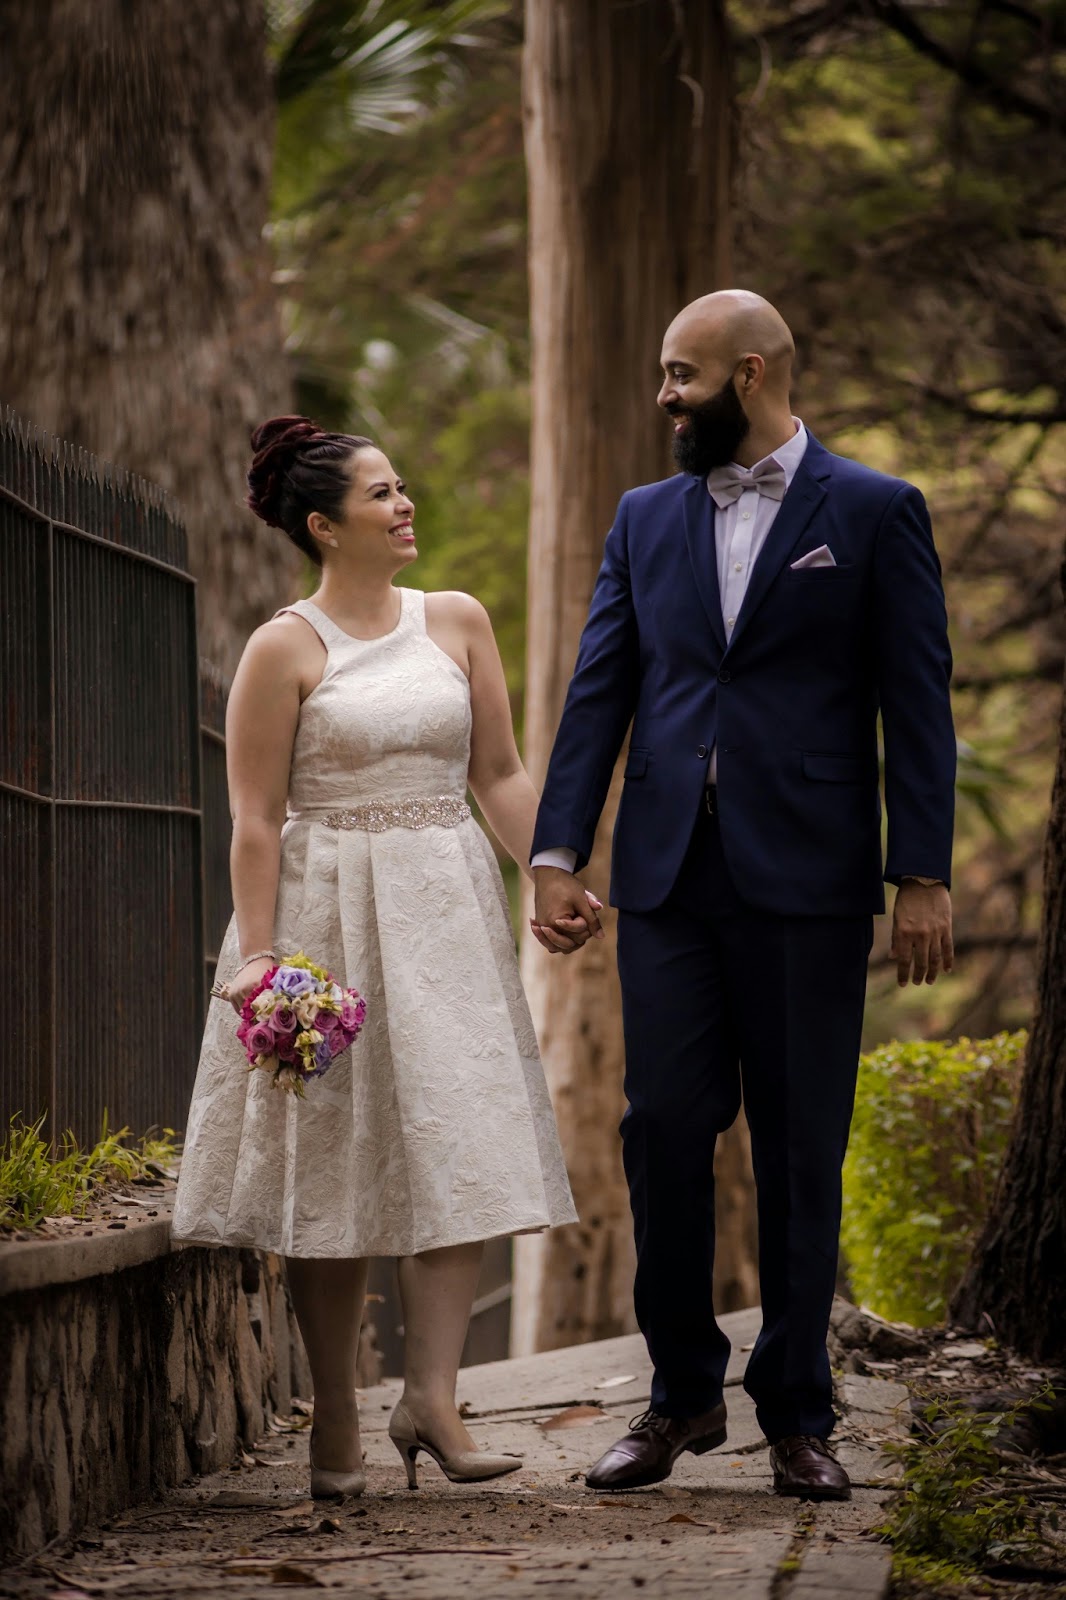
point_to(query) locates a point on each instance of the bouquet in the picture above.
(296, 1022)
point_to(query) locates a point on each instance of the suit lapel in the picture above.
(805, 494)
(699, 532)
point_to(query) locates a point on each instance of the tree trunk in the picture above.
(1015, 1286)
(139, 317)
(629, 144)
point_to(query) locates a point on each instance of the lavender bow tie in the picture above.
(727, 484)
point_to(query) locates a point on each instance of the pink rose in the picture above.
(352, 1015)
(260, 1041)
(326, 1021)
(337, 1042)
(283, 1020)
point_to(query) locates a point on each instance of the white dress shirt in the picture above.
(740, 531)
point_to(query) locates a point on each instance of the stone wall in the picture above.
(129, 1379)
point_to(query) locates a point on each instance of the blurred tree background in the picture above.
(892, 174)
(899, 194)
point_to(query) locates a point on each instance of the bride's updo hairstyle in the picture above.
(298, 468)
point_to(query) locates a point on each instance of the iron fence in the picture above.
(103, 833)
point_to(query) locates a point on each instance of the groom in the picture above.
(752, 615)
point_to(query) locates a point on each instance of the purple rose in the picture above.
(293, 981)
(283, 1020)
(337, 1041)
(323, 1055)
(260, 1040)
(326, 1021)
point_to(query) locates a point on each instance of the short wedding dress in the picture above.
(436, 1127)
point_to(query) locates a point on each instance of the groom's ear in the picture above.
(749, 375)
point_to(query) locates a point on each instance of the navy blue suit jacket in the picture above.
(791, 700)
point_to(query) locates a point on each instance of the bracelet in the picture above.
(256, 955)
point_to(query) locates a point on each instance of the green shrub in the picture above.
(960, 1508)
(929, 1134)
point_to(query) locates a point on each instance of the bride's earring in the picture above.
(333, 542)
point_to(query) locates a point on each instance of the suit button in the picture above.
(725, 676)
(701, 751)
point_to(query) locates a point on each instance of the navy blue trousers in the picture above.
(722, 1001)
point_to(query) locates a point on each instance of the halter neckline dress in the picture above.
(436, 1127)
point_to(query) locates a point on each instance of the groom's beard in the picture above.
(716, 430)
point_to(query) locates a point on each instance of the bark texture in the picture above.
(138, 314)
(1016, 1282)
(629, 144)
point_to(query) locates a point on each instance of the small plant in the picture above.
(957, 1512)
(931, 1125)
(38, 1179)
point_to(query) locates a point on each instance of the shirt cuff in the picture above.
(926, 883)
(562, 858)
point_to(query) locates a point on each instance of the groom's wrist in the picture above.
(563, 859)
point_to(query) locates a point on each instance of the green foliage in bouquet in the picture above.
(931, 1125)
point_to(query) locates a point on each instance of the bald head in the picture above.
(727, 370)
(726, 327)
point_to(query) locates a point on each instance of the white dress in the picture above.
(436, 1127)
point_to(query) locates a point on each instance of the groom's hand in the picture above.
(921, 933)
(564, 918)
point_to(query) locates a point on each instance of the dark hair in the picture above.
(299, 468)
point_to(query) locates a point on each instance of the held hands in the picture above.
(921, 933)
(565, 916)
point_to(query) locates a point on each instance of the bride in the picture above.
(356, 722)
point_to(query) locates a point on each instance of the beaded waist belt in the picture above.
(440, 811)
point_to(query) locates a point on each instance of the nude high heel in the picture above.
(326, 1485)
(470, 1466)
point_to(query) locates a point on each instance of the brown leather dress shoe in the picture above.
(805, 1465)
(652, 1445)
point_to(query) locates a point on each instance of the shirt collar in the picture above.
(789, 455)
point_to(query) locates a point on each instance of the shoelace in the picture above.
(811, 1441)
(652, 1420)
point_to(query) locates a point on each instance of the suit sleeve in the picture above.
(598, 710)
(914, 675)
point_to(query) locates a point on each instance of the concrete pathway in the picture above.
(715, 1530)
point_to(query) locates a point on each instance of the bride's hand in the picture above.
(573, 929)
(240, 986)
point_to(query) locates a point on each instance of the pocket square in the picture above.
(822, 557)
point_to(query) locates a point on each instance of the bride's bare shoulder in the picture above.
(285, 647)
(455, 606)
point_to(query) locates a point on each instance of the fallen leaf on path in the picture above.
(683, 1516)
(287, 1573)
(616, 1383)
(572, 1417)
